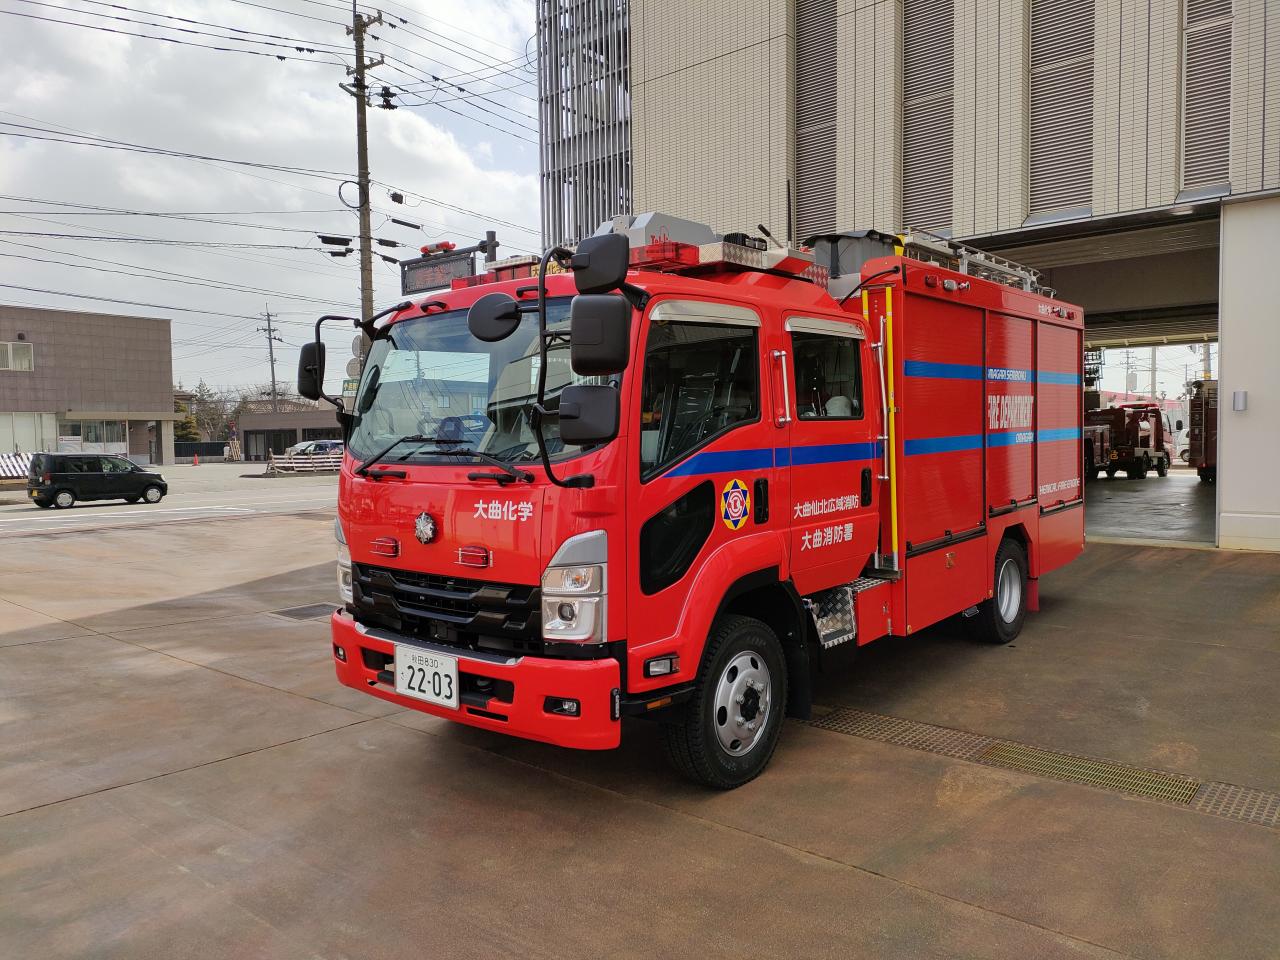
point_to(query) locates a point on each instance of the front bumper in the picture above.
(520, 687)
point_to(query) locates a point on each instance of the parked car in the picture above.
(60, 479)
(312, 448)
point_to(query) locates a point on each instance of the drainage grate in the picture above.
(311, 611)
(1226, 800)
(1106, 774)
(1238, 803)
(905, 733)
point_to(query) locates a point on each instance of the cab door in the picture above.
(834, 458)
(700, 502)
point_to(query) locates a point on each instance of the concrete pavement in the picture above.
(209, 491)
(181, 776)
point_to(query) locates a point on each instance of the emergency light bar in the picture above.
(671, 256)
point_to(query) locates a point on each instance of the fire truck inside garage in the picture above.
(1178, 341)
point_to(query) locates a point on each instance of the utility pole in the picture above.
(1153, 374)
(360, 90)
(272, 339)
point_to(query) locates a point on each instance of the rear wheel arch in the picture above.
(1018, 533)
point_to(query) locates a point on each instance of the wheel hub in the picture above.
(742, 702)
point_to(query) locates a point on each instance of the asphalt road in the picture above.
(207, 492)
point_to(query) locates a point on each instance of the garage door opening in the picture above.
(1150, 442)
(1149, 289)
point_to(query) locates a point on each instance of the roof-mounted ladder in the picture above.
(931, 247)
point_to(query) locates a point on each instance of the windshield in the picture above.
(429, 376)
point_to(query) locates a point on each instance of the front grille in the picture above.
(456, 611)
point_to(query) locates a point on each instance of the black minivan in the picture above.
(60, 479)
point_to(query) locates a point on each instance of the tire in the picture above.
(1208, 474)
(1162, 467)
(743, 671)
(1000, 619)
(1138, 472)
(153, 494)
(1111, 474)
(131, 499)
(64, 499)
(1185, 455)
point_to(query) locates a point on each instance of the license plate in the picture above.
(428, 676)
(32, 494)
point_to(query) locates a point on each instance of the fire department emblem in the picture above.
(424, 528)
(735, 504)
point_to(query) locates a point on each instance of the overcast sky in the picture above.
(254, 108)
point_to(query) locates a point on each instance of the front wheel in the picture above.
(999, 619)
(731, 724)
(152, 494)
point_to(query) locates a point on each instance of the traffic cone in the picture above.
(195, 460)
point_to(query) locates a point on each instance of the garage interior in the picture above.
(1145, 281)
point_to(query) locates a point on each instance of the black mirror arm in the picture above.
(324, 396)
(635, 296)
(367, 325)
(563, 257)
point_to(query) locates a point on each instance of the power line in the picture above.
(148, 36)
(111, 143)
(177, 278)
(122, 211)
(165, 243)
(300, 46)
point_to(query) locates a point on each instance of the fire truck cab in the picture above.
(663, 481)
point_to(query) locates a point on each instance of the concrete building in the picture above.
(584, 115)
(91, 382)
(1130, 149)
(264, 430)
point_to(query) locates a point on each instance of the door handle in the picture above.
(761, 495)
(782, 421)
(866, 486)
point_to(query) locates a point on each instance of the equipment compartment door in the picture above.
(1011, 385)
(833, 454)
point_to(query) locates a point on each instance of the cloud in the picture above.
(259, 109)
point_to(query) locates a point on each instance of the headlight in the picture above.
(573, 594)
(344, 564)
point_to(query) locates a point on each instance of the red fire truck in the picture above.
(1204, 430)
(666, 480)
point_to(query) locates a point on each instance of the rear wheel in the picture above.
(64, 499)
(1162, 467)
(731, 724)
(999, 619)
(152, 494)
(1139, 471)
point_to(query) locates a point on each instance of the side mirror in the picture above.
(1177, 425)
(600, 263)
(493, 317)
(599, 334)
(311, 370)
(589, 414)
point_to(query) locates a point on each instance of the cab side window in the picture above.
(700, 380)
(113, 465)
(828, 372)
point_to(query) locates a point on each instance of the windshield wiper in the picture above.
(509, 473)
(363, 469)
